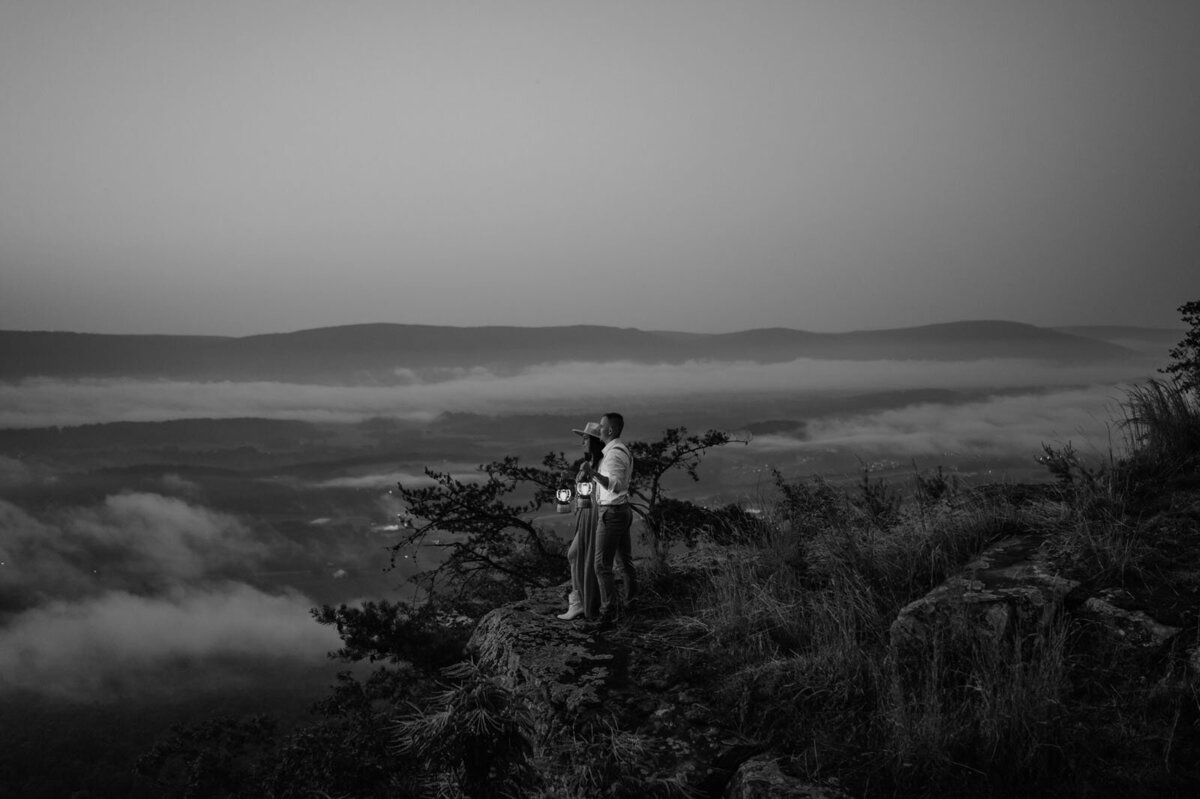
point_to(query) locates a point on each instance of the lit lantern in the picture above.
(584, 492)
(564, 495)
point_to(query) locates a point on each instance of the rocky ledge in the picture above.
(623, 689)
(581, 680)
(1007, 587)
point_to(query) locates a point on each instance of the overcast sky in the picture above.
(237, 167)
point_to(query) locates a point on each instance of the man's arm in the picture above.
(618, 477)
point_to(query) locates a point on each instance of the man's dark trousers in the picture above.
(614, 542)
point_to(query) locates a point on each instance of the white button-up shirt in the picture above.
(617, 465)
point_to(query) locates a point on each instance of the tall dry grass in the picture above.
(800, 620)
(1162, 427)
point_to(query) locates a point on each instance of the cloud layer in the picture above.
(385, 480)
(144, 543)
(115, 644)
(1003, 425)
(557, 387)
(96, 600)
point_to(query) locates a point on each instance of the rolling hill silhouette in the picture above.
(395, 353)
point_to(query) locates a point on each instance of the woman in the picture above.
(585, 588)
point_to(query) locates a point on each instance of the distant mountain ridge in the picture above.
(1141, 339)
(394, 353)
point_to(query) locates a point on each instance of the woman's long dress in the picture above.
(583, 575)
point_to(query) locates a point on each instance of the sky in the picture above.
(236, 167)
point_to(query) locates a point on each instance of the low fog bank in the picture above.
(117, 645)
(1000, 426)
(95, 601)
(563, 387)
(462, 472)
(107, 597)
(143, 543)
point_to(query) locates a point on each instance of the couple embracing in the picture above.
(602, 530)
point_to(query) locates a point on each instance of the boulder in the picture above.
(761, 778)
(1007, 586)
(1127, 627)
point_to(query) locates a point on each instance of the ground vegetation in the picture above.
(783, 634)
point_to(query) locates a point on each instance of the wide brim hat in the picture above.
(590, 429)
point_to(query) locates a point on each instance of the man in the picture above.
(613, 540)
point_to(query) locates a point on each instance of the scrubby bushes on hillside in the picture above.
(800, 624)
(1185, 356)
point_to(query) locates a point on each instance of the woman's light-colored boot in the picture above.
(574, 608)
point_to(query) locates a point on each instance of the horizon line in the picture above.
(961, 321)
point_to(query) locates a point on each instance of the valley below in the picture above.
(163, 541)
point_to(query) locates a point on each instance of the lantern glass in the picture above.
(563, 495)
(584, 489)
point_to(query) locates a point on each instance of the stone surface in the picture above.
(1133, 628)
(625, 694)
(761, 778)
(575, 674)
(526, 644)
(1008, 585)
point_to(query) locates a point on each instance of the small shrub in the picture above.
(476, 736)
(677, 520)
(733, 524)
(1162, 425)
(1185, 356)
(220, 756)
(934, 488)
(879, 502)
(603, 760)
(1071, 475)
(812, 505)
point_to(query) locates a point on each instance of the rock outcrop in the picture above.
(624, 694)
(568, 663)
(1012, 589)
(579, 678)
(761, 778)
(1008, 586)
(1127, 627)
